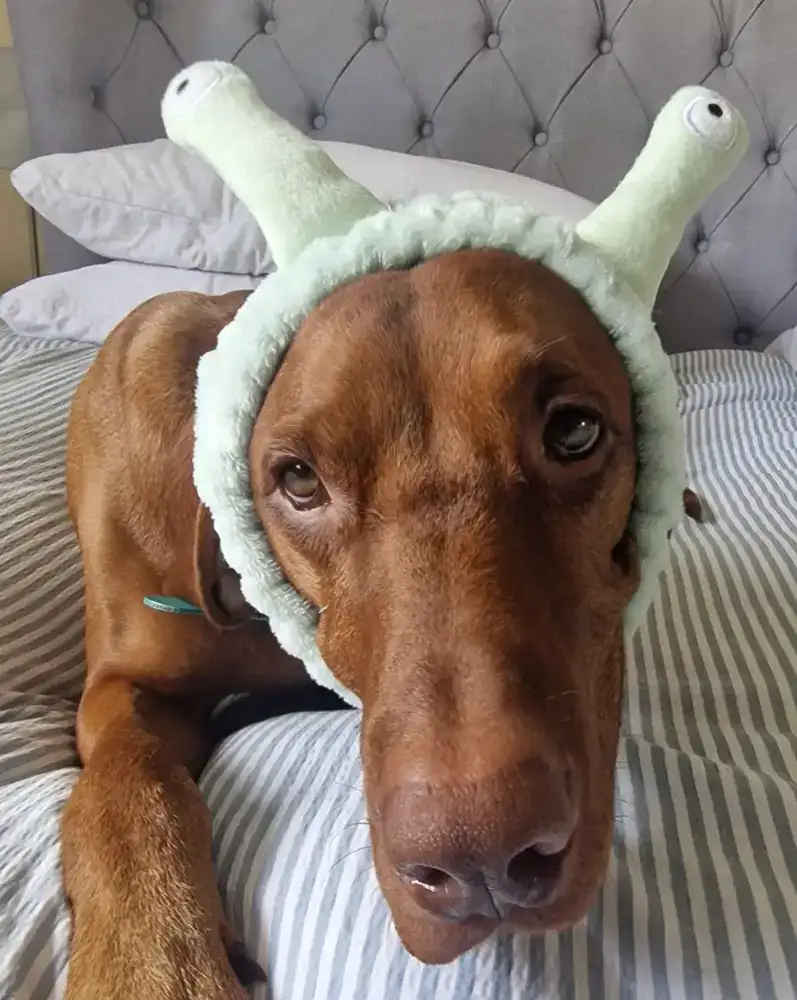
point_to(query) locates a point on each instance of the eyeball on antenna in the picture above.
(191, 85)
(712, 119)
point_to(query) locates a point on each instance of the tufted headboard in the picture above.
(562, 90)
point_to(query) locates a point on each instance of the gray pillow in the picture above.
(153, 203)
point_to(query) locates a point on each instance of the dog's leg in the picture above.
(136, 841)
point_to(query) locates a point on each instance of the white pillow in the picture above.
(151, 203)
(156, 204)
(785, 346)
(86, 304)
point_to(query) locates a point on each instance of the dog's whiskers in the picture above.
(561, 694)
(366, 871)
(348, 826)
(551, 344)
(353, 788)
(348, 854)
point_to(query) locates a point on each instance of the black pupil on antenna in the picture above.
(181, 86)
(715, 110)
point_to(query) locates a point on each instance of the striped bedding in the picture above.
(701, 899)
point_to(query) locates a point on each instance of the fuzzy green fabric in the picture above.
(326, 230)
(234, 378)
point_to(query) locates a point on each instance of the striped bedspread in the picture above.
(701, 899)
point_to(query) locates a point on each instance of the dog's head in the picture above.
(445, 464)
(450, 429)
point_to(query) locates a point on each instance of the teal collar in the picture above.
(177, 606)
(174, 605)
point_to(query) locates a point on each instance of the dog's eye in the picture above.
(301, 485)
(572, 434)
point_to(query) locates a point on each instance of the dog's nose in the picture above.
(486, 852)
(463, 889)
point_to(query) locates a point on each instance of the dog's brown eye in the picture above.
(301, 485)
(572, 434)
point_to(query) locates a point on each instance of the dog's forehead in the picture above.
(466, 323)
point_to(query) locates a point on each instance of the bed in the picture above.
(701, 897)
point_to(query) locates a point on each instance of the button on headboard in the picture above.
(562, 90)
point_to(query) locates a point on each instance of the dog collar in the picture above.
(171, 605)
(178, 606)
(325, 230)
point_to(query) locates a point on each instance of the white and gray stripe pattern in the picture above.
(701, 900)
(41, 658)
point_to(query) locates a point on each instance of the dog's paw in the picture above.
(693, 506)
(247, 971)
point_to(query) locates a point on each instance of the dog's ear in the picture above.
(218, 587)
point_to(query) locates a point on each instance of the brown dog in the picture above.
(445, 464)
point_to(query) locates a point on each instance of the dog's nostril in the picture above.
(425, 876)
(533, 873)
(452, 897)
(553, 847)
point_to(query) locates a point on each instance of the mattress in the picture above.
(701, 896)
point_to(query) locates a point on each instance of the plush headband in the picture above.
(325, 230)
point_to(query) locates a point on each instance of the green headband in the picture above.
(325, 230)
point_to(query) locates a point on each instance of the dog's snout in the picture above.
(486, 850)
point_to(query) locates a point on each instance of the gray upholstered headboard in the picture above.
(563, 90)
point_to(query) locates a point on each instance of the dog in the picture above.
(445, 465)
